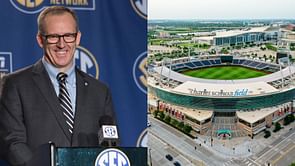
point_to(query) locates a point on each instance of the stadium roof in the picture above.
(240, 32)
(233, 33)
(225, 90)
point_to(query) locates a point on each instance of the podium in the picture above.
(98, 156)
(49, 155)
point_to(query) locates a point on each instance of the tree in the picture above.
(174, 122)
(161, 115)
(156, 112)
(167, 119)
(180, 125)
(289, 119)
(277, 127)
(267, 134)
(187, 128)
(224, 51)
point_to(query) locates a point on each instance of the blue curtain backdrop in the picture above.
(113, 45)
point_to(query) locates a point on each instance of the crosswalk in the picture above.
(244, 162)
(228, 163)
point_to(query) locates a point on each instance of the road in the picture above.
(277, 151)
(164, 139)
(169, 139)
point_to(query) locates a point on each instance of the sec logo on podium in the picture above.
(112, 157)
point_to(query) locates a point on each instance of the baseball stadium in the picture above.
(223, 95)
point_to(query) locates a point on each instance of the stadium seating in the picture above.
(200, 63)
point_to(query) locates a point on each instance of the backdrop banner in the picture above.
(112, 49)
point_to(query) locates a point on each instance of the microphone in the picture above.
(108, 133)
(106, 120)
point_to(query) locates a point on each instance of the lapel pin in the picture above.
(86, 83)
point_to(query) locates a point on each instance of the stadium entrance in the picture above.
(224, 114)
(226, 121)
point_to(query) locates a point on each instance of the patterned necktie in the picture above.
(65, 101)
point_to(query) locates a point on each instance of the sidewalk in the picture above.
(234, 148)
(241, 147)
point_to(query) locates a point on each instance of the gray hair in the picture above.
(55, 10)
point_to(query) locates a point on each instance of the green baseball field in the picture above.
(225, 73)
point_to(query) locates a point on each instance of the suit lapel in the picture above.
(42, 80)
(81, 98)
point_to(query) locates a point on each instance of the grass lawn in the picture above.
(225, 73)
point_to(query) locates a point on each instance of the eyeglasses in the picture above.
(55, 38)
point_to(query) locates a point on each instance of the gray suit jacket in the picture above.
(30, 113)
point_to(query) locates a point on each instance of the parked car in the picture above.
(148, 124)
(176, 163)
(169, 157)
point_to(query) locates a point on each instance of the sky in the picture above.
(221, 9)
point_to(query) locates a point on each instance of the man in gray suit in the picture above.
(52, 100)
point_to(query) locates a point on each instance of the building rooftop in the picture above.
(200, 115)
(232, 33)
(254, 116)
(239, 32)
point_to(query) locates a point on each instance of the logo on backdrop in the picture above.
(112, 157)
(140, 7)
(142, 139)
(5, 63)
(35, 6)
(140, 72)
(86, 62)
